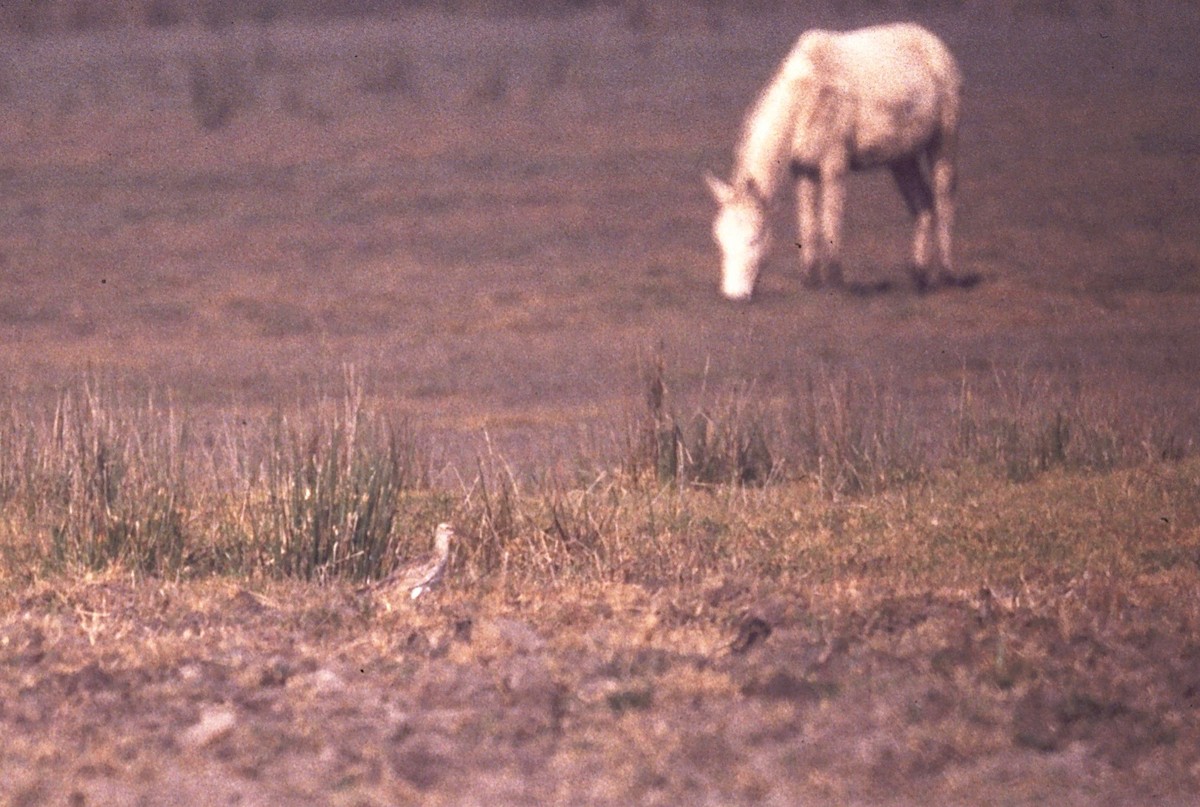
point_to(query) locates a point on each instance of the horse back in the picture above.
(900, 81)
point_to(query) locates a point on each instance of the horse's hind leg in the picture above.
(941, 159)
(914, 187)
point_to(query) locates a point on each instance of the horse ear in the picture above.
(721, 191)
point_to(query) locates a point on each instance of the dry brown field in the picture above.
(956, 561)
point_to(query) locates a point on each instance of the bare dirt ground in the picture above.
(493, 221)
(1076, 693)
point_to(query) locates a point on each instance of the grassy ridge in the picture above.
(844, 479)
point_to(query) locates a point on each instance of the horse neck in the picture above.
(763, 154)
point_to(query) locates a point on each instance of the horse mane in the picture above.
(763, 153)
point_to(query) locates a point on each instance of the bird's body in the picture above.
(422, 574)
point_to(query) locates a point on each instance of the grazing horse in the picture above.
(887, 95)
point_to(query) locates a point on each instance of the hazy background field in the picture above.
(495, 216)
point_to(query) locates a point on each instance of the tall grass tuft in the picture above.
(98, 482)
(853, 437)
(1024, 426)
(337, 492)
(728, 442)
(508, 524)
(104, 482)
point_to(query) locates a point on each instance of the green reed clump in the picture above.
(337, 492)
(102, 482)
(728, 442)
(97, 482)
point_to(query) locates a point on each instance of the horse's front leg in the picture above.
(810, 239)
(833, 203)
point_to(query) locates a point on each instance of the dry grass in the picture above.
(98, 482)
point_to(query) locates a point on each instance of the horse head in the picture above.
(741, 232)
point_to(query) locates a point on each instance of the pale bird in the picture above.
(422, 574)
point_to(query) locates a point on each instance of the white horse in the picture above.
(885, 95)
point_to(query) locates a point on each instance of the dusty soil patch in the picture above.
(1080, 691)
